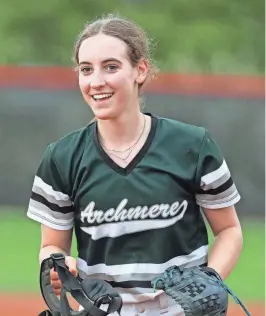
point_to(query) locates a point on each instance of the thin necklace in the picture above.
(130, 149)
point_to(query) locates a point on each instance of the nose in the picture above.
(97, 80)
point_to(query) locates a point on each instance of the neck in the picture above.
(121, 132)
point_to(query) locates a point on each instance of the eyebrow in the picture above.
(103, 62)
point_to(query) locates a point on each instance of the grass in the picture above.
(20, 241)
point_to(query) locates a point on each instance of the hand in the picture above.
(55, 281)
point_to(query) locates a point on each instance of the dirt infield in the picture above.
(31, 305)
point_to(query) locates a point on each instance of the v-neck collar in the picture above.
(133, 163)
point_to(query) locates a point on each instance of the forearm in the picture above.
(45, 252)
(54, 241)
(225, 251)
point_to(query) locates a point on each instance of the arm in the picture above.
(227, 245)
(53, 241)
(51, 206)
(57, 241)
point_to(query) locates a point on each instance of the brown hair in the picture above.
(139, 45)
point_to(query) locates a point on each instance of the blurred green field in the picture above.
(20, 240)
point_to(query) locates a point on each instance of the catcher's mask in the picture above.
(89, 293)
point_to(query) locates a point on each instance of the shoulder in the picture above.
(181, 131)
(72, 143)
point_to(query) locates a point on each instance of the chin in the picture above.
(105, 115)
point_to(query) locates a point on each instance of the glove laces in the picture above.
(166, 274)
(236, 299)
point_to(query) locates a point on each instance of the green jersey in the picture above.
(132, 223)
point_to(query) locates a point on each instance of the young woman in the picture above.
(132, 185)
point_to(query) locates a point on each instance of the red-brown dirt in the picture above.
(32, 305)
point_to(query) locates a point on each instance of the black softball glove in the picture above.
(199, 290)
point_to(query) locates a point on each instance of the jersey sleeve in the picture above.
(49, 202)
(215, 187)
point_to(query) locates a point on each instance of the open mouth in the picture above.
(102, 97)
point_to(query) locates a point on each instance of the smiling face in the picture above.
(108, 81)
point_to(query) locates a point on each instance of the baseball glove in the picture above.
(199, 290)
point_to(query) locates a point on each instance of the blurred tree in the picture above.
(218, 36)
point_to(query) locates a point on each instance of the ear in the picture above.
(142, 71)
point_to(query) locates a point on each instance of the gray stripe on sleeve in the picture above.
(216, 197)
(50, 198)
(215, 184)
(57, 216)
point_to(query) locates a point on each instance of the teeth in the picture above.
(102, 96)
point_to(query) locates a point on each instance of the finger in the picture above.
(72, 265)
(57, 292)
(54, 275)
(56, 285)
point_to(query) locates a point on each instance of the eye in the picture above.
(86, 70)
(111, 68)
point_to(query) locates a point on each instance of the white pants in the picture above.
(161, 305)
